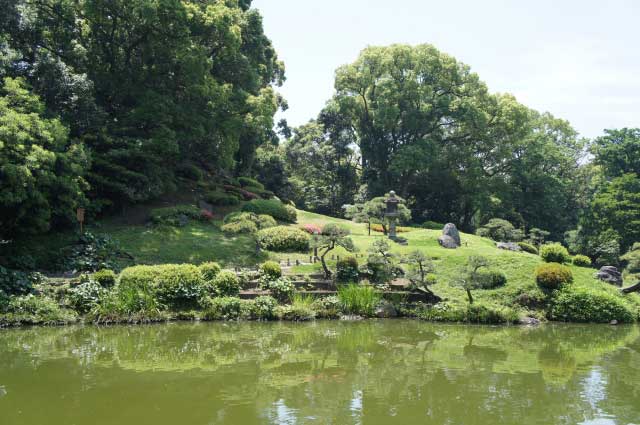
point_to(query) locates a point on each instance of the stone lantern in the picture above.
(391, 213)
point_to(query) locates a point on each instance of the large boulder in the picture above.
(509, 246)
(610, 275)
(385, 309)
(450, 236)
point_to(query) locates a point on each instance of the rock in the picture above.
(530, 321)
(183, 220)
(613, 322)
(351, 317)
(509, 246)
(446, 241)
(610, 275)
(386, 309)
(451, 231)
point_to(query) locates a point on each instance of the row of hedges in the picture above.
(272, 207)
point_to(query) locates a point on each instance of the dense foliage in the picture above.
(283, 239)
(553, 275)
(589, 305)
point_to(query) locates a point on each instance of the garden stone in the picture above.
(610, 275)
(530, 321)
(451, 231)
(447, 242)
(509, 246)
(351, 317)
(385, 309)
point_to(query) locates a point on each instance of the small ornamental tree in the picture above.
(332, 236)
(472, 278)
(381, 262)
(537, 236)
(373, 211)
(419, 270)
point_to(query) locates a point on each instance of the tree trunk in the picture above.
(632, 288)
(327, 272)
(469, 295)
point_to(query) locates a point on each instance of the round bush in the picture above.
(86, 296)
(239, 227)
(271, 270)
(553, 275)
(138, 277)
(221, 198)
(179, 285)
(209, 270)
(347, 270)
(249, 182)
(527, 247)
(581, 261)
(226, 283)
(490, 279)
(284, 239)
(222, 308)
(265, 221)
(590, 305)
(554, 253)
(105, 277)
(272, 207)
(189, 171)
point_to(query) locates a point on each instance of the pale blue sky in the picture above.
(579, 60)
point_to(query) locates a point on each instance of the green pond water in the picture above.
(328, 372)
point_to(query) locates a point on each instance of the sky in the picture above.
(579, 60)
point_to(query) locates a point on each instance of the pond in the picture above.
(327, 372)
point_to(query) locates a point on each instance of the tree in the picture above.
(332, 236)
(41, 171)
(618, 152)
(500, 230)
(381, 262)
(471, 279)
(537, 236)
(420, 266)
(374, 211)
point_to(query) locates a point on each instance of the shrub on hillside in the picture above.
(300, 309)
(270, 270)
(554, 253)
(221, 198)
(173, 216)
(86, 296)
(328, 307)
(432, 225)
(209, 270)
(590, 305)
(189, 171)
(34, 310)
(312, 229)
(581, 261)
(272, 207)
(13, 282)
(500, 230)
(347, 270)
(246, 222)
(105, 277)
(226, 283)
(249, 182)
(283, 239)
(179, 285)
(139, 277)
(490, 278)
(527, 247)
(239, 227)
(264, 307)
(553, 275)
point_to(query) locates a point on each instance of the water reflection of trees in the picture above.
(367, 372)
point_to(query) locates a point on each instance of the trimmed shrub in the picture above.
(590, 305)
(272, 207)
(171, 215)
(553, 275)
(284, 239)
(139, 277)
(221, 308)
(34, 310)
(554, 253)
(360, 300)
(221, 198)
(239, 227)
(105, 277)
(500, 230)
(264, 307)
(432, 225)
(527, 247)
(490, 279)
(249, 182)
(179, 285)
(209, 270)
(327, 307)
(581, 261)
(265, 221)
(347, 270)
(226, 283)
(282, 289)
(189, 171)
(271, 270)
